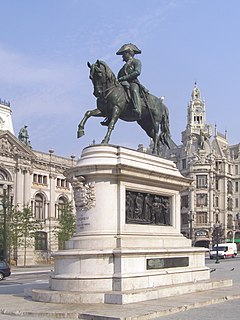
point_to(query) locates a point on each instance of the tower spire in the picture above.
(5, 116)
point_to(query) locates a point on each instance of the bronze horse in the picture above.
(113, 103)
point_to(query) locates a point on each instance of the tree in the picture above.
(25, 231)
(66, 225)
(14, 232)
(8, 207)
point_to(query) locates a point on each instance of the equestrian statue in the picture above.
(127, 99)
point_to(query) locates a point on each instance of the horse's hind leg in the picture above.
(88, 114)
(154, 136)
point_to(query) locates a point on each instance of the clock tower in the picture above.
(196, 120)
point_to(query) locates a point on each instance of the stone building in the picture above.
(32, 178)
(205, 156)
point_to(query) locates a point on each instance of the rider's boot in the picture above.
(136, 110)
(136, 104)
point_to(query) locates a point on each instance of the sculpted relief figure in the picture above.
(126, 99)
(146, 208)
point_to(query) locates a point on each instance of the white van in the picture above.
(224, 250)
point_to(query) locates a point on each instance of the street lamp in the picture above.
(217, 230)
(4, 203)
(51, 152)
(190, 220)
(72, 157)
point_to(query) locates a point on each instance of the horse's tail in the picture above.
(165, 136)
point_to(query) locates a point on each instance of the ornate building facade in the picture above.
(213, 200)
(214, 168)
(35, 179)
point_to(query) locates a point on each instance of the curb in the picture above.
(30, 272)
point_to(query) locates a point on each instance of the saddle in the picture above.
(142, 90)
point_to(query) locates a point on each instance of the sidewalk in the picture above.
(31, 269)
(19, 305)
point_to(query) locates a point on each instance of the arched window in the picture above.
(61, 205)
(40, 240)
(237, 235)
(39, 207)
(3, 175)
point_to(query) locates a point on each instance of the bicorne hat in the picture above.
(128, 46)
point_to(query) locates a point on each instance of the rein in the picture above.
(106, 93)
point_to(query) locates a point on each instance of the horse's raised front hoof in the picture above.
(80, 133)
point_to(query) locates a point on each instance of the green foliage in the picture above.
(21, 228)
(28, 225)
(66, 225)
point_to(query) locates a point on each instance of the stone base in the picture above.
(124, 253)
(116, 297)
(123, 276)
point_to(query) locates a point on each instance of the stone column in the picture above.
(27, 187)
(19, 188)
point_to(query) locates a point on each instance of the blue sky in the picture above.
(45, 45)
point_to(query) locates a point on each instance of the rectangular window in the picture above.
(40, 180)
(229, 221)
(184, 201)
(184, 219)
(236, 186)
(216, 202)
(236, 169)
(201, 199)
(236, 203)
(201, 218)
(201, 181)
(40, 240)
(229, 204)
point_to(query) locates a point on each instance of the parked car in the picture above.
(224, 250)
(5, 270)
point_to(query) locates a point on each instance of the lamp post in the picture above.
(190, 219)
(216, 234)
(51, 152)
(72, 157)
(4, 203)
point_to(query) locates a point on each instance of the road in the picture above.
(16, 284)
(229, 310)
(221, 311)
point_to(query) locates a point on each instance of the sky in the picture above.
(45, 46)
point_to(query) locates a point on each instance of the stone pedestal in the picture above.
(128, 246)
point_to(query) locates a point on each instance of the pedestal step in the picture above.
(118, 297)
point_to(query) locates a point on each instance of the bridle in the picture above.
(106, 90)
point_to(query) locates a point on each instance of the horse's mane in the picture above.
(109, 74)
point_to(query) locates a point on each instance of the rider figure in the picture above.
(128, 74)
